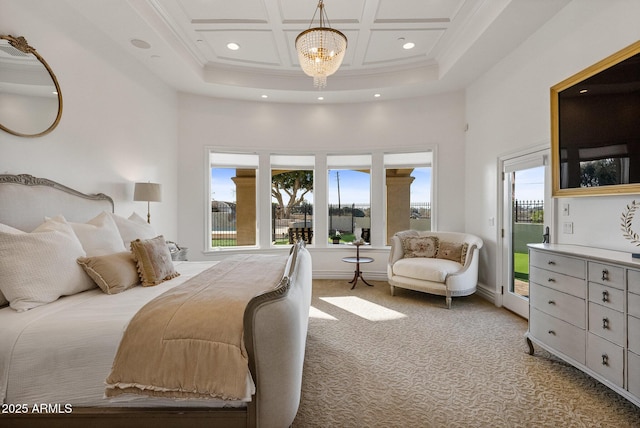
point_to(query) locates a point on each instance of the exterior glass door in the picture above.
(523, 223)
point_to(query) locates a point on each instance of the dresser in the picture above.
(584, 307)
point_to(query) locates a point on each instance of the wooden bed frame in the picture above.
(276, 317)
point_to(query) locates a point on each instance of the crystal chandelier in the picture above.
(320, 49)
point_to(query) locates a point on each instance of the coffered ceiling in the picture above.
(185, 43)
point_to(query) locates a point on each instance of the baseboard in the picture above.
(486, 293)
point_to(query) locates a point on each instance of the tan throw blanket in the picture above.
(188, 342)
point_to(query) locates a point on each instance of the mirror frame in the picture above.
(599, 67)
(21, 44)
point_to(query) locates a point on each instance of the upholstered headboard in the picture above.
(25, 201)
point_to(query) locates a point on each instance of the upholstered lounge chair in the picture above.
(441, 263)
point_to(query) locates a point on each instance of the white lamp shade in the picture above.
(148, 192)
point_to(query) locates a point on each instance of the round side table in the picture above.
(357, 260)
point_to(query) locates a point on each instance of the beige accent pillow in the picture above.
(132, 228)
(37, 268)
(153, 259)
(420, 246)
(114, 273)
(452, 251)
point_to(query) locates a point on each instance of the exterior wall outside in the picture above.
(507, 110)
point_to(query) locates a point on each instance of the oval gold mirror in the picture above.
(30, 96)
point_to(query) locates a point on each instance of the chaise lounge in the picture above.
(441, 263)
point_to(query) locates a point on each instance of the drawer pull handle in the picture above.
(552, 332)
(605, 323)
(551, 302)
(605, 275)
(605, 296)
(605, 360)
(551, 280)
(551, 262)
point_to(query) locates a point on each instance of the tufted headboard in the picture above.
(25, 201)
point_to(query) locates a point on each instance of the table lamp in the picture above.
(148, 192)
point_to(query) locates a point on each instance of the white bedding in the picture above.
(62, 352)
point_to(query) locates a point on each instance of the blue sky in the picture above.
(354, 186)
(530, 184)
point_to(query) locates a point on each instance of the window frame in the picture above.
(320, 220)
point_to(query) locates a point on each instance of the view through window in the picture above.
(349, 191)
(282, 198)
(408, 179)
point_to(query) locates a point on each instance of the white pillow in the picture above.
(135, 227)
(99, 236)
(38, 267)
(7, 229)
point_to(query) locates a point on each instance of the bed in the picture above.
(56, 353)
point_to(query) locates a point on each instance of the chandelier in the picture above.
(320, 49)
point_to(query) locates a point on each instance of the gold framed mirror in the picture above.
(595, 128)
(30, 96)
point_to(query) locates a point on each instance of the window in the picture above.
(233, 199)
(267, 200)
(408, 180)
(349, 197)
(291, 199)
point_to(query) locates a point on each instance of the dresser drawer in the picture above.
(633, 304)
(633, 334)
(633, 281)
(560, 305)
(560, 264)
(613, 276)
(606, 296)
(560, 335)
(565, 283)
(606, 359)
(634, 373)
(606, 323)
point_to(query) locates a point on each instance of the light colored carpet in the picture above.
(416, 364)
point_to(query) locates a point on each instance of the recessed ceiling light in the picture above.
(233, 46)
(265, 96)
(409, 45)
(376, 95)
(141, 44)
(320, 98)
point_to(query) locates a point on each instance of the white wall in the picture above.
(118, 124)
(436, 121)
(508, 109)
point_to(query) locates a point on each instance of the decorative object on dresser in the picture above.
(584, 307)
(147, 192)
(627, 222)
(442, 263)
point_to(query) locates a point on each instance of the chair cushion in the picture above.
(452, 251)
(420, 246)
(427, 269)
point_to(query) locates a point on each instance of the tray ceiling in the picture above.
(455, 41)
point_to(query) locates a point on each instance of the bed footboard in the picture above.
(275, 325)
